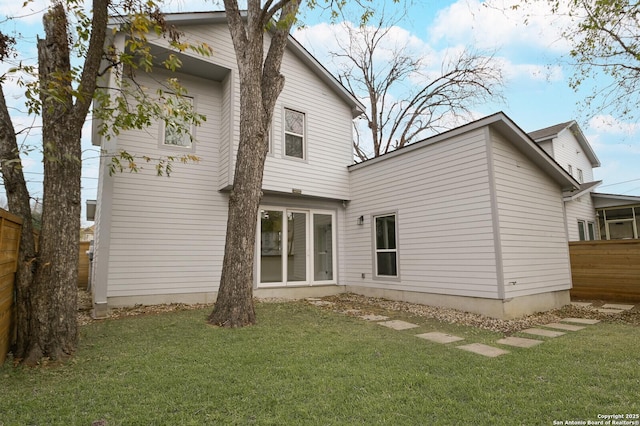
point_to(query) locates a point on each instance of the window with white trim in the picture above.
(580, 176)
(591, 230)
(386, 246)
(582, 232)
(294, 128)
(570, 169)
(177, 131)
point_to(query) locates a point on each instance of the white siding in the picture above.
(167, 233)
(328, 125)
(580, 209)
(532, 227)
(567, 151)
(328, 138)
(445, 230)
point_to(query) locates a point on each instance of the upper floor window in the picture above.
(177, 131)
(386, 260)
(580, 176)
(294, 123)
(570, 169)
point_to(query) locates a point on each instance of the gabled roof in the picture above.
(507, 127)
(220, 17)
(552, 132)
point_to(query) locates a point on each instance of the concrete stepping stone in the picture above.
(372, 317)
(481, 349)
(609, 311)
(321, 303)
(581, 320)
(617, 306)
(438, 337)
(582, 304)
(542, 332)
(519, 342)
(398, 324)
(567, 327)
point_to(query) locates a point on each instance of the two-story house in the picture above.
(471, 219)
(590, 215)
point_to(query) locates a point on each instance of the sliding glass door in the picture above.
(296, 247)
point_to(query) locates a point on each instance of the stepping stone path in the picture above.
(581, 320)
(439, 337)
(398, 325)
(519, 342)
(374, 317)
(487, 350)
(543, 332)
(566, 327)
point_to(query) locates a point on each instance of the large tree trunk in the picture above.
(53, 330)
(260, 86)
(46, 282)
(18, 200)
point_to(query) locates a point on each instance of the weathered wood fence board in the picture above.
(83, 265)
(608, 270)
(10, 228)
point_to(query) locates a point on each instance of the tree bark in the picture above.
(46, 282)
(260, 86)
(18, 200)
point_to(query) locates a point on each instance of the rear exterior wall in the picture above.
(441, 196)
(532, 227)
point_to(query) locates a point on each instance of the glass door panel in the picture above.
(296, 246)
(271, 246)
(322, 247)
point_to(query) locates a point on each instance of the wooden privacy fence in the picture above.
(83, 265)
(608, 270)
(10, 228)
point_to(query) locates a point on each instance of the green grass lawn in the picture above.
(305, 365)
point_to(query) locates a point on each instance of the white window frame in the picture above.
(310, 247)
(580, 176)
(302, 135)
(591, 230)
(377, 250)
(570, 169)
(582, 226)
(163, 129)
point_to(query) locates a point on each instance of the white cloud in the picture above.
(611, 125)
(497, 24)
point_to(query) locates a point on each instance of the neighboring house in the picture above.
(471, 219)
(86, 234)
(566, 143)
(590, 215)
(618, 216)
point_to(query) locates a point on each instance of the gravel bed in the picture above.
(357, 305)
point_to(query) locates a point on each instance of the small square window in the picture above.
(177, 131)
(294, 134)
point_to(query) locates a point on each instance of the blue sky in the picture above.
(533, 57)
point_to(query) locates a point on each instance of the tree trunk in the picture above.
(260, 86)
(52, 331)
(18, 200)
(46, 282)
